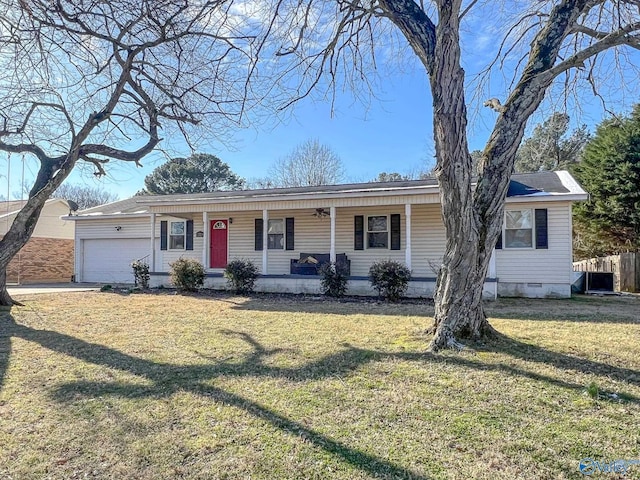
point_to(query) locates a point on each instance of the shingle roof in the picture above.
(129, 206)
(526, 184)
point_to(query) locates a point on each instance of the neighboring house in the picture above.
(48, 255)
(360, 222)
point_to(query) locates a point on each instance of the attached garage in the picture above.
(109, 260)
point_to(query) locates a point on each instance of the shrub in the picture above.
(106, 288)
(334, 279)
(187, 274)
(241, 275)
(390, 279)
(141, 273)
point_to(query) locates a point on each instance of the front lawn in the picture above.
(102, 385)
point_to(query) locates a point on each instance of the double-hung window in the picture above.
(177, 234)
(275, 234)
(377, 231)
(518, 231)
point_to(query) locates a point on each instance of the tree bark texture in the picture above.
(50, 176)
(472, 216)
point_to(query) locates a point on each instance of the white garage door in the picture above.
(109, 260)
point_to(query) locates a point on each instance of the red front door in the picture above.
(218, 242)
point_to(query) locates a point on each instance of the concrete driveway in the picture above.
(17, 290)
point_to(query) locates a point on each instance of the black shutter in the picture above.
(289, 233)
(395, 231)
(542, 229)
(163, 235)
(358, 232)
(189, 244)
(258, 232)
(499, 242)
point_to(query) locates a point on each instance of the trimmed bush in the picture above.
(241, 275)
(141, 274)
(187, 274)
(390, 279)
(334, 279)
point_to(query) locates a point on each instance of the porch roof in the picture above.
(523, 187)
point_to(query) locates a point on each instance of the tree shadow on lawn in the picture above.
(577, 309)
(167, 378)
(333, 306)
(5, 353)
(621, 310)
(500, 343)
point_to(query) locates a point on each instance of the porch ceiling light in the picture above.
(320, 213)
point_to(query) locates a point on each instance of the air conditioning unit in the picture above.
(599, 282)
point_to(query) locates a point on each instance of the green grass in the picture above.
(101, 385)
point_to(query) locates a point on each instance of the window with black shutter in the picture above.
(259, 230)
(358, 232)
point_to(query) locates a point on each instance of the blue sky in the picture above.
(392, 132)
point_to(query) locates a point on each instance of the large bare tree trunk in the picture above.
(472, 215)
(458, 296)
(50, 176)
(5, 298)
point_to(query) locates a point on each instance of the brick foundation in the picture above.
(42, 260)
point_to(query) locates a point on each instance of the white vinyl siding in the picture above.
(361, 260)
(131, 228)
(242, 236)
(166, 257)
(550, 265)
(341, 200)
(428, 240)
(312, 235)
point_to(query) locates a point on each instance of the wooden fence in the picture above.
(625, 268)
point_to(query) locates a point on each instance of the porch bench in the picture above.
(299, 266)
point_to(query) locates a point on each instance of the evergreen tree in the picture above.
(609, 222)
(199, 173)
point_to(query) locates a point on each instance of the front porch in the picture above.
(279, 240)
(419, 287)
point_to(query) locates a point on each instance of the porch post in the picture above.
(206, 240)
(265, 240)
(332, 247)
(492, 272)
(152, 254)
(407, 250)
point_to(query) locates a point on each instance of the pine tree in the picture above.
(199, 173)
(609, 222)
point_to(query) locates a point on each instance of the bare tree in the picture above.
(543, 41)
(309, 164)
(84, 196)
(98, 81)
(552, 146)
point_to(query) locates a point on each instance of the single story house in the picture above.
(48, 255)
(278, 229)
